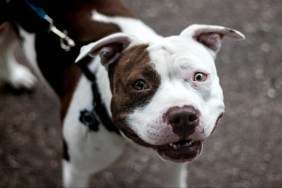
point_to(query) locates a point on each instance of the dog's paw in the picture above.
(20, 77)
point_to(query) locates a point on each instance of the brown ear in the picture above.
(108, 48)
(210, 35)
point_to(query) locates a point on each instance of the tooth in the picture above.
(178, 146)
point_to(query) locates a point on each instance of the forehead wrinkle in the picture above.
(160, 56)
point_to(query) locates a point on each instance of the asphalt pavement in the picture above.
(245, 149)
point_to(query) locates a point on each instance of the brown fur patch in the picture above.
(132, 66)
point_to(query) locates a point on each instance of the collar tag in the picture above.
(90, 119)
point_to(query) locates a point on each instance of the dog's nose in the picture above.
(183, 120)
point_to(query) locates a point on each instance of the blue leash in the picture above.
(66, 42)
(39, 11)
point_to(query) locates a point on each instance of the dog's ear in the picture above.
(211, 35)
(108, 48)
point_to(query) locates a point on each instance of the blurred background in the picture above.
(245, 149)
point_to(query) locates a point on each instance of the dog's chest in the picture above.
(101, 146)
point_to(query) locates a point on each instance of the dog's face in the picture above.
(165, 95)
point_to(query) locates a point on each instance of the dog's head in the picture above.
(165, 94)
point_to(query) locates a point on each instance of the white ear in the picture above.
(211, 35)
(108, 48)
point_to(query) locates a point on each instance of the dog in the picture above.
(134, 87)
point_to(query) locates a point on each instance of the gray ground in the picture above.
(245, 150)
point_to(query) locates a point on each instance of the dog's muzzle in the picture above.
(183, 121)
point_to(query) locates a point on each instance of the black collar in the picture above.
(98, 114)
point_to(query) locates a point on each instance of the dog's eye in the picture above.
(200, 77)
(139, 85)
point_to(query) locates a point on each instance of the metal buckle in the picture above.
(66, 42)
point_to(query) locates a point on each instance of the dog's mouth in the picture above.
(181, 151)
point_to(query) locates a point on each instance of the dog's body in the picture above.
(162, 92)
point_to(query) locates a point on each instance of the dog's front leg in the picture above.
(15, 74)
(73, 177)
(175, 174)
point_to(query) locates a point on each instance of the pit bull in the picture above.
(134, 87)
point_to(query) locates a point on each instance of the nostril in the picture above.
(175, 120)
(193, 118)
(183, 120)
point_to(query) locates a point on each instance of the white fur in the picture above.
(17, 75)
(28, 46)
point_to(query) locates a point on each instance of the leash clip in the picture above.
(66, 42)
